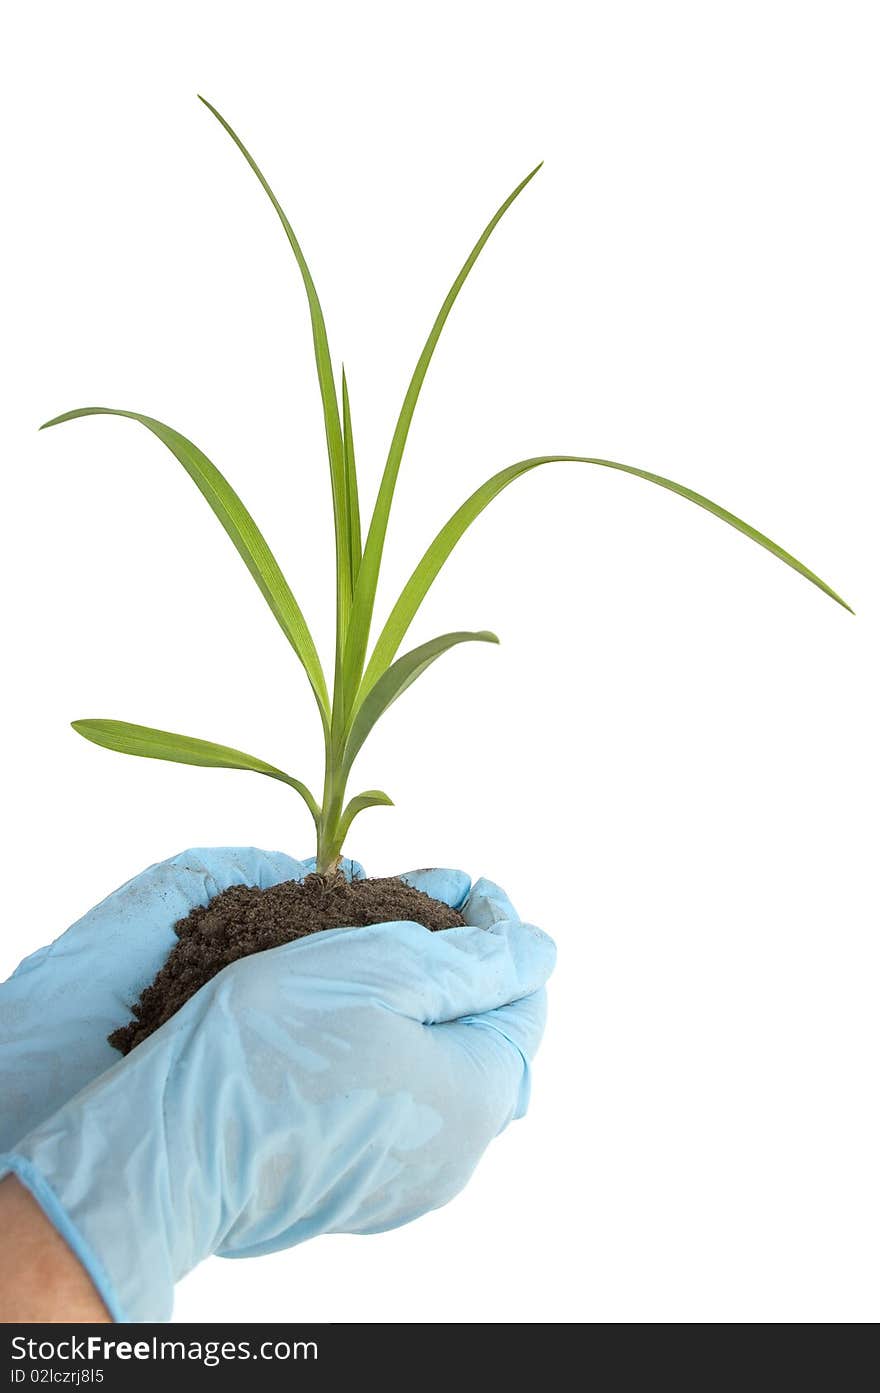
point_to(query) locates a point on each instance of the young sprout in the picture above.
(363, 686)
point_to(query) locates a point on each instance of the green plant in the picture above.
(363, 687)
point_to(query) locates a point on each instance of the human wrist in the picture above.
(42, 1279)
(92, 1168)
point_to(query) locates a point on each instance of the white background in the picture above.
(671, 761)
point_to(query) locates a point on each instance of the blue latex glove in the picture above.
(346, 1082)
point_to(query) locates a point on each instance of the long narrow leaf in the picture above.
(426, 571)
(395, 681)
(149, 743)
(352, 501)
(329, 402)
(247, 538)
(373, 798)
(365, 591)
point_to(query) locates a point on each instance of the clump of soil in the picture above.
(245, 919)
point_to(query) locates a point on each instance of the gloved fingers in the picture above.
(500, 1046)
(239, 865)
(521, 1024)
(487, 904)
(425, 976)
(61, 1003)
(425, 1103)
(127, 936)
(451, 887)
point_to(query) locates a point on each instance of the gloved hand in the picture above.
(346, 1082)
(60, 1004)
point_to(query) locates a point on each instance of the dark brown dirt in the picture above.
(244, 920)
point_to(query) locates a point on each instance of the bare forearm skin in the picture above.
(40, 1279)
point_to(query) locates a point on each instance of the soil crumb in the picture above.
(245, 919)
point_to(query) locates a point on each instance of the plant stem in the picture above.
(329, 834)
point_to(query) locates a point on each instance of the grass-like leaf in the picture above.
(327, 386)
(368, 578)
(373, 798)
(149, 743)
(352, 500)
(395, 681)
(247, 538)
(362, 691)
(434, 558)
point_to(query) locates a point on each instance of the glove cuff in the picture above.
(41, 1191)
